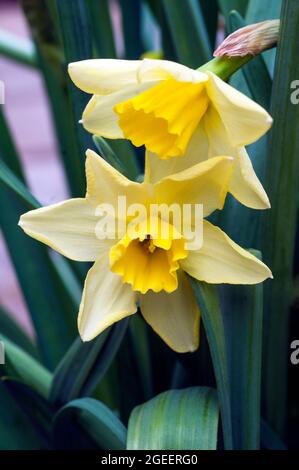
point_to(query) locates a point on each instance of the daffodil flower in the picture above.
(175, 112)
(145, 270)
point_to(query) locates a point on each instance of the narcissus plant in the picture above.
(174, 111)
(141, 267)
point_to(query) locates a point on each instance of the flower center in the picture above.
(164, 117)
(148, 263)
(148, 244)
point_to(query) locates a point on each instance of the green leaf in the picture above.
(75, 30)
(49, 303)
(243, 317)
(13, 182)
(210, 14)
(227, 6)
(188, 31)
(53, 68)
(93, 419)
(207, 298)
(260, 11)
(65, 269)
(12, 425)
(270, 439)
(102, 30)
(108, 154)
(18, 49)
(280, 222)
(128, 155)
(176, 420)
(34, 406)
(139, 341)
(131, 25)
(8, 151)
(82, 368)
(20, 365)
(10, 329)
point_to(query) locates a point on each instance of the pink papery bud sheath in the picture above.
(250, 40)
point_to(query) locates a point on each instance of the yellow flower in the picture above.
(142, 267)
(175, 112)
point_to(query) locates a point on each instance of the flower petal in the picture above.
(103, 76)
(105, 300)
(197, 151)
(205, 183)
(245, 121)
(68, 227)
(175, 317)
(245, 185)
(99, 116)
(105, 184)
(220, 260)
(152, 69)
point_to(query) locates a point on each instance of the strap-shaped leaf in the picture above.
(13, 182)
(280, 222)
(261, 11)
(75, 29)
(19, 49)
(46, 36)
(207, 298)
(242, 308)
(188, 31)
(227, 6)
(176, 420)
(34, 406)
(20, 365)
(269, 439)
(131, 23)
(102, 30)
(210, 14)
(12, 425)
(92, 422)
(82, 368)
(108, 154)
(11, 330)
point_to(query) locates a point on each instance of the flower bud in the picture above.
(250, 40)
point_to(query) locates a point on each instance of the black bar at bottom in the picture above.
(135, 459)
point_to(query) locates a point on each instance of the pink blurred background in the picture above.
(26, 110)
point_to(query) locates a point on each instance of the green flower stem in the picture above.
(225, 67)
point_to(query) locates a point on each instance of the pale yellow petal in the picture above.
(245, 121)
(103, 76)
(68, 227)
(99, 116)
(205, 183)
(245, 185)
(105, 300)
(105, 184)
(220, 260)
(174, 317)
(197, 151)
(152, 69)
